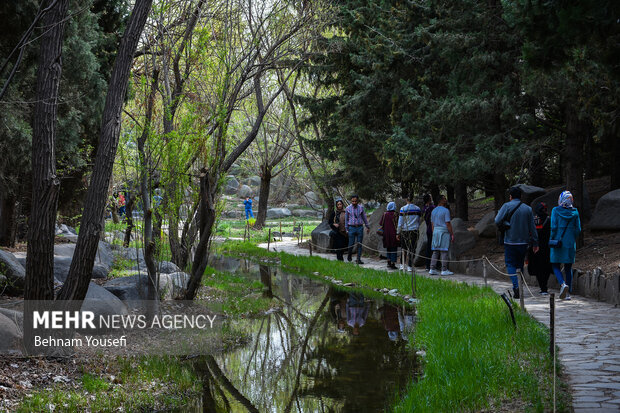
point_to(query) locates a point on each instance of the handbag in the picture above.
(380, 229)
(557, 243)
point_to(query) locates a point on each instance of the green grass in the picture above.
(475, 359)
(137, 384)
(236, 228)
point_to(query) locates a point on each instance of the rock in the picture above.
(551, 199)
(486, 226)
(167, 267)
(62, 265)
(131, 288)
(311, 199)
(530, 192)
(173, 285)
(104, 256)
(393, 292)
(306, 213)
(102, 302)
(231, 185)
(15, 316)
(252, 181)
(372, 205)
(293, 206)
(420, 248)
(12, 270)
(607, 212)
(320, 237)
(464, 240)
(11, 337)
(245, 191)
(276, 213)
(372, 240)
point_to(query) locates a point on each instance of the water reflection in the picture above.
(322, 350)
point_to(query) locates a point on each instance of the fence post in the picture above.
(484, 270)
(248, 225)
(310, 247)
(280, 229)
(269, 239)
(552, 324)
(413, 281)
(402, 259)
(300, 237)
(521, 298)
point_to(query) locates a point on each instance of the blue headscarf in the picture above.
(565, 200)
(391, 206)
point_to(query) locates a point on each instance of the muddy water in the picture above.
(320, 350)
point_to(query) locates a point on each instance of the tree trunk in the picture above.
(462, 203)
(39, 284)
(573, 155)
(80, 272)
(500, 185)
(263, 198)
(206, 214)
(129, 202)
(615, 150)
(435, 193)
(450, 193)
(7, 220)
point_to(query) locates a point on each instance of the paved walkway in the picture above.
(587, 334)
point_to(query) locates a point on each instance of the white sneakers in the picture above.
(433, 272)
(446, 272)
(402, 267)
(563, 291)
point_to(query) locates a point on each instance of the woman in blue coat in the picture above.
(565, 227)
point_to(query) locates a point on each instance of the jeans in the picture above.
(248, 214)
(444, 259)
(356, 234)
(391, 254)
(514, 256)
(568, 271)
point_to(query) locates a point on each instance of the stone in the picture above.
(530, 192)
(320, 237)
(306, 213)
(551, 199)
(607, 212)
(486, 226)
(235, 169)
(167, 267)
(231, 185)
(173, 285)
(12, 270)
(245, 191)
(464, 240)
(372, 240)
(62, 265)
(135, 287)
(372, 205)
(276, 213)
(11, 337)
(311, 199)
(102, 302)
(252, 181)
(393, 292)
(420, 248)
(16, 316)
(104, 256)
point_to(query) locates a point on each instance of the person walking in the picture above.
(355, 220)
(339, 232)
(539, 263)
(248, 208)
(518, 220)
(388, 223)
(565, 228)
(427, 210)
(442, 236)
(408, 224)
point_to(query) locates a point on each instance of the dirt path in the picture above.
(587, 334)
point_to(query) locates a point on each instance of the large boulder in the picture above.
(551, 199)
(530, 192)
(320, 237)
(11, 337)
(276, 213)
(102, 302)
(372, 240)
(372, 204)
(62, 265)
(252, 181)
(420, 248)
(306, 213)
(486, 226)
(235, 169)
(245, 191)
(173, 285)
(464, 240)
(167, 267)
(231, 185)
(14, 272)
(15, 316)
(104, 255)
(311, 199)
(607, 212)
(130, 288)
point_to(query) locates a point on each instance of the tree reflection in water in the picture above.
(321, 350)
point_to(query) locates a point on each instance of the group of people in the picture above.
(548, 242)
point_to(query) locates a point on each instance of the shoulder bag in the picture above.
(557, 243)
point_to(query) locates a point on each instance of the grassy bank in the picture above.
(475, 359)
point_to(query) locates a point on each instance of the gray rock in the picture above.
(372, 240)
(167, 267)
(235, 169)
(62, 265)
(311, 199)
(551, 199)
(252, 181)
(173, 285)
(245, 191)
(16, 316)
(464, 240)
(420, 248)
(320, 237)
(104, 256)
(102, 302)
(372, 204)
(11, 337)
(306, 213)
(530, 192)
(607, 212)
(130, 288)
(293, 206)
(12, 270)
(231, 185)
(486, 226)
(276, 213)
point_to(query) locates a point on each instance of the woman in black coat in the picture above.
(539, 263)
(339, 232)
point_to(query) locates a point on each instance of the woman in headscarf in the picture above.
(339, 232)
(388, 223)
(538, 262)
(565, 228)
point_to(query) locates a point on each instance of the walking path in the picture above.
(587, 334)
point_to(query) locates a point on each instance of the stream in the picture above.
(320, 350)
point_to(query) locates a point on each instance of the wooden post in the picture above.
(413, 281)
(484, 270)
(269, 239)
(301, 239)
(280, 229)
(310, 246)
(248, 225)
(402, 258)
(552, 324)
(521, 298)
